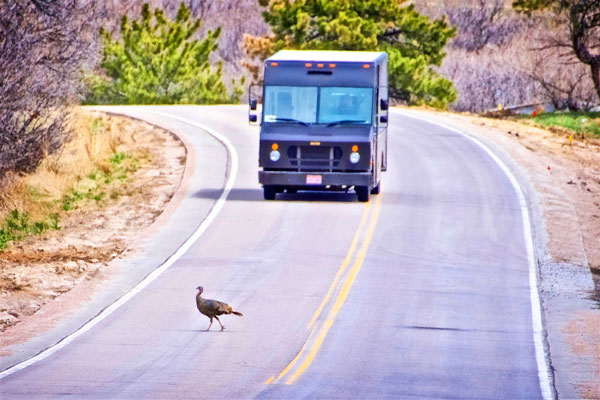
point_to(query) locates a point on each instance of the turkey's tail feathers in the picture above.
(237, 313)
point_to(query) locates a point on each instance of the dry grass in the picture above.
(93, 166)
(103, 221)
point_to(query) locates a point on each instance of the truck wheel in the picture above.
(376, 189)
(269, 192)
(363, 193)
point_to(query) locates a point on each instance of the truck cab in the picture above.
(323, 123)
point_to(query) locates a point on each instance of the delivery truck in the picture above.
(323, 122)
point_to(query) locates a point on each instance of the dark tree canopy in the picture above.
(413, 42)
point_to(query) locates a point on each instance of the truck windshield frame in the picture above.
(329, 105)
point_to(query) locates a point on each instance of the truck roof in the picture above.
(328, 56)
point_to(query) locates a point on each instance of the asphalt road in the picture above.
(423, 292)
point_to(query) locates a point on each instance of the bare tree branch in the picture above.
(44, 46)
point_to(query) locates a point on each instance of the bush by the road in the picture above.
(157, 61)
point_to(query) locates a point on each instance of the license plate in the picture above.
(314, 179)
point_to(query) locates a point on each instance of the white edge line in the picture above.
(155, 273)
(536, 308)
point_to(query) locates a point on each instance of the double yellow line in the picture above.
(320, 328)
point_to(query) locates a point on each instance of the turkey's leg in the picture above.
(219, 321)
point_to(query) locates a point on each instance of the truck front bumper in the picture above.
(293, 178)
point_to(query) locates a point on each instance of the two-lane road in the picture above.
(424, 292)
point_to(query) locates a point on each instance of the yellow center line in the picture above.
(345, 263)
(291, 364)
(313, 351)
(324, 329)
(342, 296)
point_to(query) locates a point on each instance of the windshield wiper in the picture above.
(297, 121)
(347, 121)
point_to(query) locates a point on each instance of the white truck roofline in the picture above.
(328, 56)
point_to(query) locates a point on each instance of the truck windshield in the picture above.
(291, 103)
(336, 105)
(345, 105)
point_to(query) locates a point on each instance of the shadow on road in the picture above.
(234, 194)
(248, 194)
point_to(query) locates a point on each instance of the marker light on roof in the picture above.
(320, 65)
(331, 65)
(308, 65)
(273, 64)
(366, 66)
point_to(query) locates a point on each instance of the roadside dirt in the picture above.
(40, 272)
(42, 278)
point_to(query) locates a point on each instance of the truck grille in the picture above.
(315, 158)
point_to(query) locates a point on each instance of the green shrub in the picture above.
(156, 61)
(18, 225)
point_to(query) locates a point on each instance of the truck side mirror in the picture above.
(383, 105)
(252, 118)
(253, 104)
(383, 119)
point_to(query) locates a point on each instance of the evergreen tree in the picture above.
(413, 42)
(156, 61)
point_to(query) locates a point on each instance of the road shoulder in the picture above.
(561, 183)
(146, 249)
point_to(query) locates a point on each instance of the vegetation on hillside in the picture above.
(413, 42)
(95, 168)
(500, 56)
(157, 61)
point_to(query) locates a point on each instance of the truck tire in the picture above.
(364, 193)
(269, 192)
(376, 189)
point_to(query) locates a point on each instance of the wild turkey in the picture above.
(212, 308)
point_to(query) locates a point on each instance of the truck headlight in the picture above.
(354, 157)
(275, 155)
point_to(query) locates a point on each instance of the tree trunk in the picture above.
(584, 17)
(595, 66)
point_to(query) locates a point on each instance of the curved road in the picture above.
(424, 292)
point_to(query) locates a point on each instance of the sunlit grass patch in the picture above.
(581, 123)
(17, 225)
